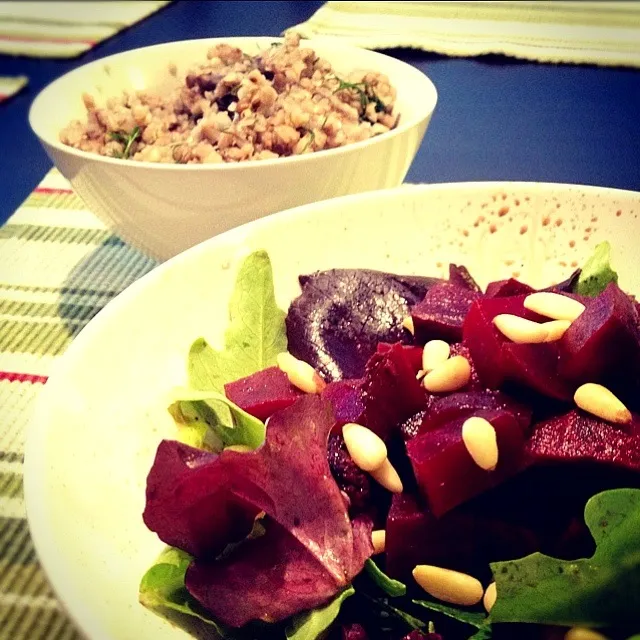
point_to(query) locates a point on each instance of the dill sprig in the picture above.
(126, 140)
(365, 92)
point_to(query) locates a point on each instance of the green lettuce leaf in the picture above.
(390, 586)
(475, 619)
(162, 586)
(596, 273)
(592, 592)
(227, 423)
(254, 337)
(313, 624)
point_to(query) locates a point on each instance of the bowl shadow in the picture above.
(109, 269)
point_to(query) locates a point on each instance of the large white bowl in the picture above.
(164, 209)
(101, 417)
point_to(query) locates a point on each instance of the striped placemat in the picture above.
(603, 33)
(10, 85)
(58, 267)
(66, 29)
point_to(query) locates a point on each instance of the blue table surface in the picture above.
(496, 118)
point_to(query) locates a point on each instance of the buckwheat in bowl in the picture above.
(172, 144)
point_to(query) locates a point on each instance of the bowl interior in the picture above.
(101, 415)
(148, 69)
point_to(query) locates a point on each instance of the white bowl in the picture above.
(163, 209)
(100, 418)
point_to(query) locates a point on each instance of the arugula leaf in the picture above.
(597, 272)
(230, 426)
(591, 592)
(394, 588)
(386, 610)
(473, 618)
(312, 624)
(162, 586)
(484, 633)
(256, 332)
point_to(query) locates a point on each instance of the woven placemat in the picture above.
(66, 29)
(58, 267)
(603, 33)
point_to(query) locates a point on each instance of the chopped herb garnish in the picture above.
(365, 92)
(126, 140)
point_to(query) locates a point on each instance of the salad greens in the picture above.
(392, 587)
(196, 409)
(536, 589)
(588, 592)
(162, 586)
(256, 332)
(475, 619)
(596, 273)
(312, 624)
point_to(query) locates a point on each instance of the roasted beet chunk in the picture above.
(263, 393)
(464, 404)
(445, 472)
(461, 539)
(460, 276)
(579, 437)
(507, 288)
(351, 479)
(342, 314)
(354, 631)
(441, 314)
(390, 391)
(497, 359)
(603, 339)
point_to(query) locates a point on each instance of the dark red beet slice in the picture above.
(354, 631)
(263, 393)
(441, 314)
(464, 404)
(535, 366)
(350, 478)
(390, 391)
(460, 276)
(458, 540)
(507, 288)
(412, 352)
(497, 359)
(445, 472)
(387, 395)
(342, 314)
(579, 437)
(603, 339)
(485, 341)
(346, 399)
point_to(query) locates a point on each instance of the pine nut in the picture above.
(407, 323)
(520, 330)
(553, 305)
(447, 585)
(599, 401)
(582, 633)
(388, 477)
(490, 596)
(556, 329)
(479, 438)
(378, 539)
(238, 448)
(435, 352)
(451, 375)
(301, 374)
(366, 448)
